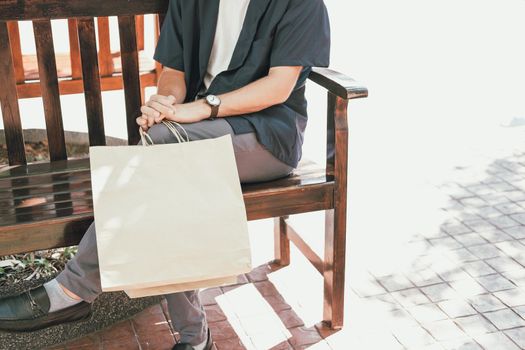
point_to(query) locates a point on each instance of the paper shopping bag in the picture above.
(181, 287)
(168, 214)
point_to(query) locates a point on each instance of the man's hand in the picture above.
(158, 108)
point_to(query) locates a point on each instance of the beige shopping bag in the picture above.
(168, 214)
(181, 287)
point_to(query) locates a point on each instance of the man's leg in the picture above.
(81, 275)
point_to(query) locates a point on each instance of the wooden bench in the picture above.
(69, 70)
(48, 205)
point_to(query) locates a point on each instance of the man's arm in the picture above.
(171, 89)
(271, 90)
(268, 91)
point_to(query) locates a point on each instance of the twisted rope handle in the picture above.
(172, 126)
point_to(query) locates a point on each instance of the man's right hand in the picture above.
(156, 110)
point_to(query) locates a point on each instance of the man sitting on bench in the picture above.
(244, 74)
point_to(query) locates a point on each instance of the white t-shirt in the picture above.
(229, 25)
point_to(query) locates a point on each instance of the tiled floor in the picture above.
(459, 284)
(151, 329)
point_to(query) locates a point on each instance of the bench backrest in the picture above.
(41, 12)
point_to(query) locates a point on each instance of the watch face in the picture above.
(213, 100)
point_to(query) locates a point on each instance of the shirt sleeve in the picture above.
(169, 50)
(302, 37)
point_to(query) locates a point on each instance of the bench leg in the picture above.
(334, 270)
(281, 242)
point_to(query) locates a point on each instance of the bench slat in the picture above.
(74, 49)
(130, 73)
(16, 49)
(9, 102)
(47, 70)
(91, 78)
(104, 49)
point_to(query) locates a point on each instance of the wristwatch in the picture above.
(214, 102)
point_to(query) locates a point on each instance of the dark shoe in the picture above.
(29, 311)
(186, 346)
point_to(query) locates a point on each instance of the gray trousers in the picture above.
(254, 164)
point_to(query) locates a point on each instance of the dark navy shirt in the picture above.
(275, 33)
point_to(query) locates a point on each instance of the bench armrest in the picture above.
(338, 83)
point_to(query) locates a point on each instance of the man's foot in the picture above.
(29, 311)
(186, 346)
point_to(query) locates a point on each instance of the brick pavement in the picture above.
(463, 288)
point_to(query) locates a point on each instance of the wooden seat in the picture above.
(49, 205)
(42, 195)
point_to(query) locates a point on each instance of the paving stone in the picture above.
(453, 274)
(485, 251)
(290, 318)
(260, 273)
(486, 302)
(504, 264)
(208, 296)
(475, 325)
(475, 202)
(394, 283)
(410, 297)
(488, 212)
(427, 313)
(121, 330)
(367, 287)
(494, 199)
(502, 187)
(479, 225)
(470, 239)
(447, 242)
(496, 341)
(468, 287)
(460, 255)
(222, 330)
(520, 310)
(214, 313)
(511, 248)
(495, 236)
(413, 337)
(229, 344)
(444, 330)
(456, 308)
(439, 292)
(480, 189)
(515, 196)
(517, 277)
(424, 278)
(478, 268)
(456, 229)
(505, 319)
(517, 232)
(461, 344)
(512, 297)
(509, 208)
(494, 283)
(304, 336)
(520, 217)
(517, 335)
(504, 221)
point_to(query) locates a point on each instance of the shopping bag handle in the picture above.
(172, 126)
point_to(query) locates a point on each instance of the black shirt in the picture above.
(274, 33)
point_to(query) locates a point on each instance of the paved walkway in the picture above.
(458, 283)
(151, 329)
